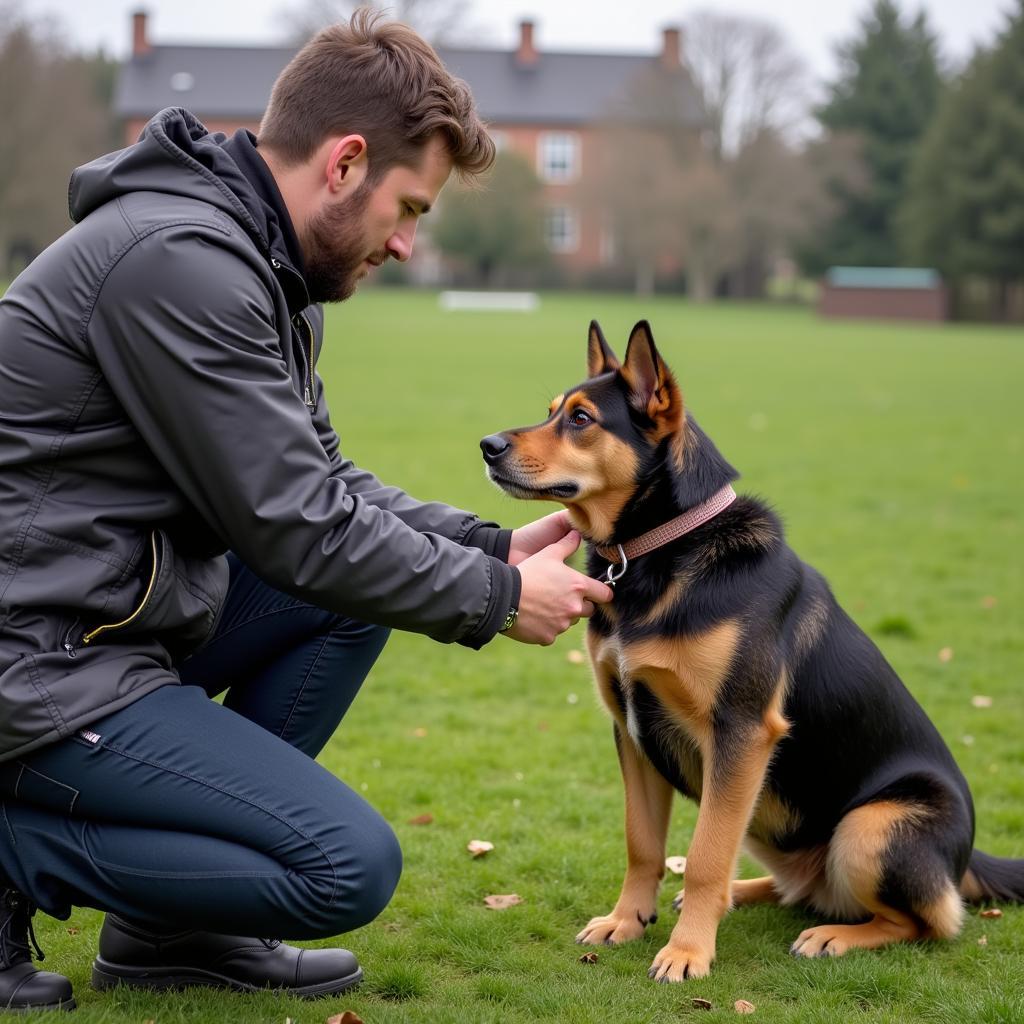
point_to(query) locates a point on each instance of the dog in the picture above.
(732, 675)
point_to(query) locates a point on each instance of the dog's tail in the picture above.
(1000, 879)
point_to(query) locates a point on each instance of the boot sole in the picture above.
(107, 975)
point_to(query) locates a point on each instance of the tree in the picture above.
(443, 22)
(886, 93)
(776, 194)
(700, 171)
(637, 182)
(54, 120)
(964, 211)
(496, 228)
(747, 77)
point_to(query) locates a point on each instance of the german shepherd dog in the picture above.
(733, 676)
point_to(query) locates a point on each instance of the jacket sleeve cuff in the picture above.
(490, 538)
(506, 590)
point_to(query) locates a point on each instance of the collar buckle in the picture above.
(611, 576)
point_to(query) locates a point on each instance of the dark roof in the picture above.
(235, 82)
(225, 81)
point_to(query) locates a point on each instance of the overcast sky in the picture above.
(813, 26)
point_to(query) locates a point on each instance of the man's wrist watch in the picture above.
(510, 620)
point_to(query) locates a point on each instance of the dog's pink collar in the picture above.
(667, 532)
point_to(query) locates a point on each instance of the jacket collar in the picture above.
(285, 250)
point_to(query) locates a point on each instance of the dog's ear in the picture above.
(654, 389)
(600, 357)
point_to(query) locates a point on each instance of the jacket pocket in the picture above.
(177, 602)
(92, 634)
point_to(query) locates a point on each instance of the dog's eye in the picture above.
(579, 418)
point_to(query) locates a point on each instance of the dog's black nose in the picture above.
(494, 447)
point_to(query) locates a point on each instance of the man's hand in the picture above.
(554, 596)
(532, 537)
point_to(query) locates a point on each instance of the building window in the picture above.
(562, 229)
(559, 156)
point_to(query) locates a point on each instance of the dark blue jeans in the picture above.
(187, 814)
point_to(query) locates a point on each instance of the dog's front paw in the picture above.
(613, 929)
(678, 963)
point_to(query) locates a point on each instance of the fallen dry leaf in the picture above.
(575, 657)
(702, 1004)
(588, 958)
(478, 847)
(988, 602)
(743, 1006)
(421, 819)
(543, 726)
(991, 912)
(348, 1017)
(983, 941)
(677, 865)
(979, 701)
(502, 902)
(420, 732)
(946, 654)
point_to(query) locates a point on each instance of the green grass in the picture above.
(893, 452)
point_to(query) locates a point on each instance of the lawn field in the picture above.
(894, 454)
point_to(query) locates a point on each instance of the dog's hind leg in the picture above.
(648, 808)
(889, 860)
(754, 890)
(745, 891)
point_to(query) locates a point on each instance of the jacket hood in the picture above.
(176, 155)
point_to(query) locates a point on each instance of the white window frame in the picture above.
(567, 239)
(558, 156)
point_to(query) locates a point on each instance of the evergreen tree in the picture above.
(965, 207)
(886, 93)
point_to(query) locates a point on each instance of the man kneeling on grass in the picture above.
(176, 520)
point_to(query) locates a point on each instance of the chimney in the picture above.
(671, 40)
(140, 39)
(527, 55)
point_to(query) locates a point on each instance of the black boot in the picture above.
(129, 955)
(22, 986)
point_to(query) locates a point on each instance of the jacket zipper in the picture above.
(310, 389)
(88, 638)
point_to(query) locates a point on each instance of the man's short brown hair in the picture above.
(382, 80)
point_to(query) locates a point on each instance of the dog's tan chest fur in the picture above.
(684, 675)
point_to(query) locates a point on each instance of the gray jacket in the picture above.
(158, 406)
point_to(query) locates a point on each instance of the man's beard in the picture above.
(334, 247)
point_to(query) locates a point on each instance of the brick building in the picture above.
(544, 105)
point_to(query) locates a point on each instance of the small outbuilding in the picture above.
(899, 293)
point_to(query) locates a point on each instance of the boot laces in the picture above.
(16, 931)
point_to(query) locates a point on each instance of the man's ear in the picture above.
(346, 164)
(600, 357)
(654, 389)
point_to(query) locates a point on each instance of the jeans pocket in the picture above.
(29, 786)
